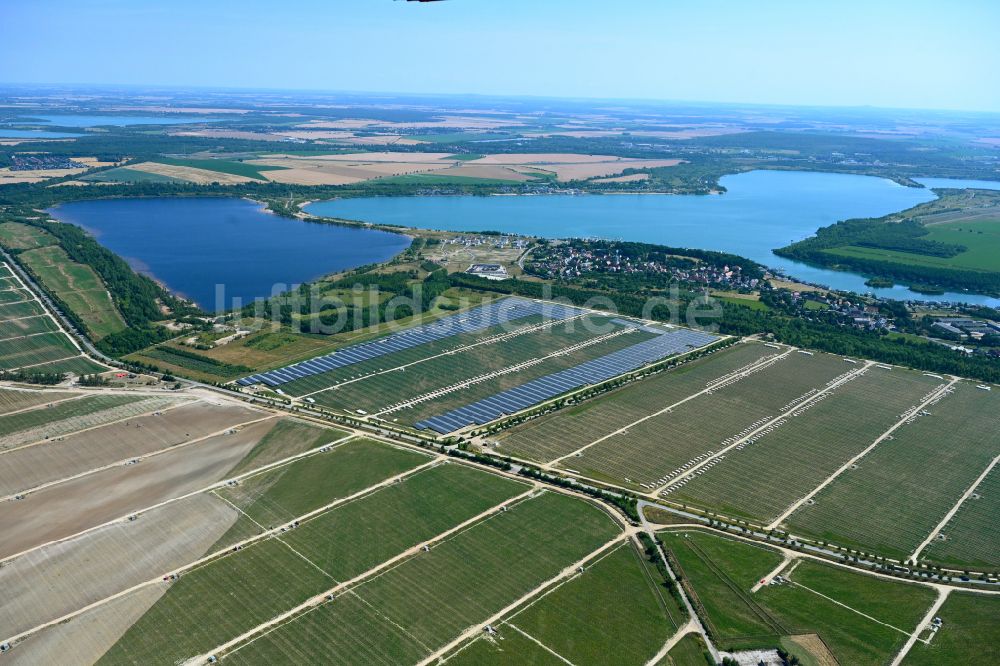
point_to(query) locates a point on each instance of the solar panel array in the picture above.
(592, 372)
(477, 319)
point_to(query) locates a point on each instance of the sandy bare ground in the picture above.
(190, 174)
(631, 178)
(324, 172)
(544, 158)
(488, 171)
(49, 583)
(82, 640)
(75, 424)
(227, 134)
(68, 508)
(31, 466)
(364, 158)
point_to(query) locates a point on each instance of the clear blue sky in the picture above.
(891, 53)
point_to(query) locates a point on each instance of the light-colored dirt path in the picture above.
(845, 378)
(943, 593)
(752, 368)
(31, 408)
(541, 644)
(689, 627)
(213, 486)
(151, 454)
(229, 547)
(345, 585)
(767, 578)
(940, 391)
(948, 516)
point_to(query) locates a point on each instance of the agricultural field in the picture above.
(765, 477)
(76, 285)
(419, 606)
(695, 429)
(562, 432)
(915, 478)
(971, 538)
(980, 237)
(635, 618)
(17, 236)
(859, 619)
(969, 634)
(689, 651)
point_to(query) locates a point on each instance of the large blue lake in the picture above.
(761, 211)
(197, 246)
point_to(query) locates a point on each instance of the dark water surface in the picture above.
(194, 244)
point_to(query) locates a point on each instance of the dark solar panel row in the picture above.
(591, 372)
(477, 319)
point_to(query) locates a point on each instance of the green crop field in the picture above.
(17, 236)
(689, 651)
(222, 166)
(14, 400)
(654, 448)
(509, 649)
(911, 481)
(71, 409)
(20, 308)
(562, 432)
(613, 608)
(14, 328)
(970, 633)
(763, 479)
(410, 610)
(14, 295)
(78, 365)
(980, 237)
(721, 572)
(288, 438)
(78, 286)
(821, 599)
(972, 536)
(281, 494)
(126, 175)
(33, 351)
(274, 575)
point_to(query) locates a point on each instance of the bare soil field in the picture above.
(190, 174)
(47, 584)
(82, 640)
(486, 171)
(68, 508)
(48, 461)
(12, 400)
(335, 172)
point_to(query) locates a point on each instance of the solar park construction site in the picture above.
(520, 482)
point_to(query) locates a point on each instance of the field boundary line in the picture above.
(218, 484)
(55, 360)
(490, 340)
(540, 644)
(119, 463)
(31, 408)
(752, 368)
(26, 335)
(853, 610)
(943, 593)
(826, 390)
(38, 442)
(517, 367)
(907, 415)
(496, 617)
(216, 555)
(318, 599)
(948, 516)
